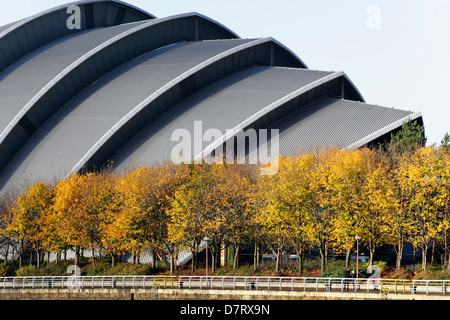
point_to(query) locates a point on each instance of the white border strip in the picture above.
(383, 131)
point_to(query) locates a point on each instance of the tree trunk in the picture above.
(371, 254)
(256, 256)
(323, 257)
(432, 253)
(236, 257)
(194, 261)
(212, 253)
(424, 257)
(217, 258)
(38, 258)
(93, 256)
(153, 259)
(398, 262)
(444, 261)
(322, 262)
(300, 261)
(347, 258)
(172, 263)
(278, 262)
(448, 265)
(113, 260)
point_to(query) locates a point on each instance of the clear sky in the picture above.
(397, 52)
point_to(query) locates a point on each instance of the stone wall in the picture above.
(197, 294)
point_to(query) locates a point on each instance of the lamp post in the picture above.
(357, 237)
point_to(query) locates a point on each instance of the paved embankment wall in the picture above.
(198, 294)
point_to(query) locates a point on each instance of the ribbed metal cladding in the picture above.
(23, 80)
(56, 147)
(83, 65)
(330, 122)
(221, 106)
(24, 36)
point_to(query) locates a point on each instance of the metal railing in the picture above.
(370, 285)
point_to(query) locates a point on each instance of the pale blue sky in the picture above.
(405, 64)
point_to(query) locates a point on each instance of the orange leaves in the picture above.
(30, 212)
(322, 199)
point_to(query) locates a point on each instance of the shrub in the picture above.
(27, 271)
(402, 273)
(6, 270)
(311, 265)
(442, 274)
(334, 269)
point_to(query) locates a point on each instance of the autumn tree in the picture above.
(346, 182)
(142, 219)
(319, 204)
(285, 217)
(7, 239)
(188, 211)
(81, 204)
(29, 215)
(237, 187)
(418, 177)
(444, 192)
(377, 204)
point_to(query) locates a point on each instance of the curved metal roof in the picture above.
(116, 91)
(242, 95)
(332, 122)
(69, 135)
(123, 98)
(38, 85)
(264, 51)
(22, 37)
